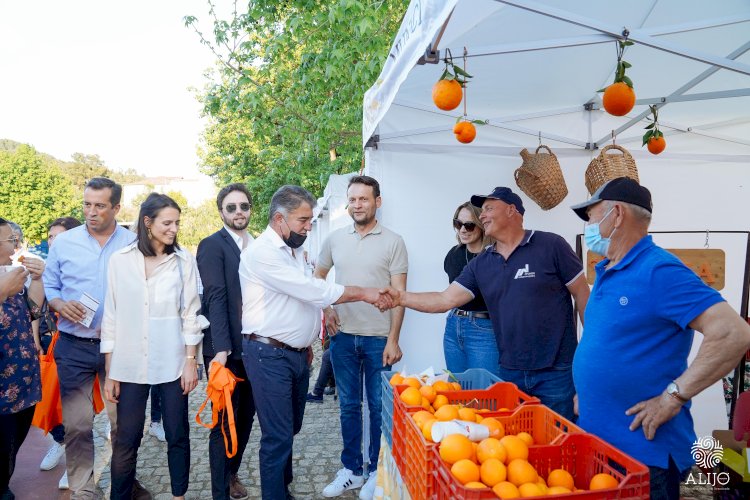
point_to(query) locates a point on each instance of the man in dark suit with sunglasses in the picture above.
(218, 262)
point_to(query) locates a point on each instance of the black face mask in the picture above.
(294, 240)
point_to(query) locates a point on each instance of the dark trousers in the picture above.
(280, 379)
(13, 430)
(131, 413)
(155, 404)
(325, 374)
(665, 483)
(222, 468)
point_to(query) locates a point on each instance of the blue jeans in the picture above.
(279, 379)
(554, 386)
(469, 343)
(354, 357)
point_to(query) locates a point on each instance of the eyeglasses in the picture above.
(13, 239)
(231, 207)
(470, 226)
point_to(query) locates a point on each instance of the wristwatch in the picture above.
(674, 391)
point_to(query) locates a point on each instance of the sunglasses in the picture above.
(231, 207)
(470, 226)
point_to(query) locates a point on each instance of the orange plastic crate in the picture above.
(416, 458)
(497, 396)
(544, 425)
(583, 455)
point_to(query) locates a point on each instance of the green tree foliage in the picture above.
(34, 192)
(289, 88)
(197, 223)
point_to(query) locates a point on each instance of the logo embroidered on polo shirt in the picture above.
(524, 273)
(623, 301)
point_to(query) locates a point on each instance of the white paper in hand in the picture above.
(91, 305)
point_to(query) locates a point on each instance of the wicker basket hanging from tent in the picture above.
(606, 167)
(541, 178)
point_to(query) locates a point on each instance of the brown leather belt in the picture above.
(473, 314)
(272, 342)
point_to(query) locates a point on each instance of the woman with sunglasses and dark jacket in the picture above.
(469, 341)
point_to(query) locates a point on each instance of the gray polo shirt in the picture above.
(369, 261)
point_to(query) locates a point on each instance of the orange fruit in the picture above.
(426, 405)
(397, 379)
(440, 400)
(465, 132)
(446, 413)
(456, 386)
(542, 485)
(411, 397)
(413, 382)
(455, 447)
(618, 99)
(465, 471)
(515, 447)
(475, 485)
(492, 471)
(530, 490)
(428, 392)
(447, 94)
(656, 145)
(603, 481)
(478, 417)
(521, 471)
(504, 489)
(526, 438)
(427, 429)
(442, 385)
(497, 429)
(421, 417)
(561, 477)
(467, 414)
(491, 448)
(558, 490)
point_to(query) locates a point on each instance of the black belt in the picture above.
(273, 342)
(473, 314)
(70, 336)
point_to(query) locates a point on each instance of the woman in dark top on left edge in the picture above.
(20, 381)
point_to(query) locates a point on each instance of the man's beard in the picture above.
(239, 226)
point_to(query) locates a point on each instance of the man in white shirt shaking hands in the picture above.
(280, 320)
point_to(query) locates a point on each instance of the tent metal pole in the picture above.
(640, 36)
(703, 96)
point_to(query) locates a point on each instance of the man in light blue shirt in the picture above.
(76, 274)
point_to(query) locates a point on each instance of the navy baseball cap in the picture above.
(500, 193)
(621, 189)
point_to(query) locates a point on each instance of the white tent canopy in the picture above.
(536, 68)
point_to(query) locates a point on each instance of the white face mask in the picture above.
(593, 237)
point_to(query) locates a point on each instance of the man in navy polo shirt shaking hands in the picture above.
(527, 279)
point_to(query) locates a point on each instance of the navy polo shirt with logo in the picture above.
(636, 340)
(528, 300)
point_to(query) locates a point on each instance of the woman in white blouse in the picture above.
(150, 333)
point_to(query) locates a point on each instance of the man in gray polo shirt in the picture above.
(364, 341)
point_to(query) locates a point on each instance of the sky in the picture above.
(107, 78)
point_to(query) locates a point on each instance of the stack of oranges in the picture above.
(424, 395)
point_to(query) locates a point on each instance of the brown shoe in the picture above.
(237, 490)
(139, 492)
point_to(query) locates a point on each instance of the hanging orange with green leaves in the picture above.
(653, 139)
(447, 92)
(619, 98)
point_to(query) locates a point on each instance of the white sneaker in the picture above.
(157, 430)
(345, 480)
(53, 456)
(63, 484)
(368, 490)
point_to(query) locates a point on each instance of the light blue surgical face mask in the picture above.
(593, 237)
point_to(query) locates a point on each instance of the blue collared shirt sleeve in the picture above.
(468, 278)
(681, 294)
(569, 266)
(51, 276)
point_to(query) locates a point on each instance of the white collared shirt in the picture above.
(278, 299)
(238, 239)
(143, 326)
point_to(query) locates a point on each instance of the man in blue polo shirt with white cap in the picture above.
(527, 279)
(630, 368)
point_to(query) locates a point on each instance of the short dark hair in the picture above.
(235, 186)
(288, 198)
(98, 183)
(65, 222)
(150, 208)
(367, 181)
(4, 221)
